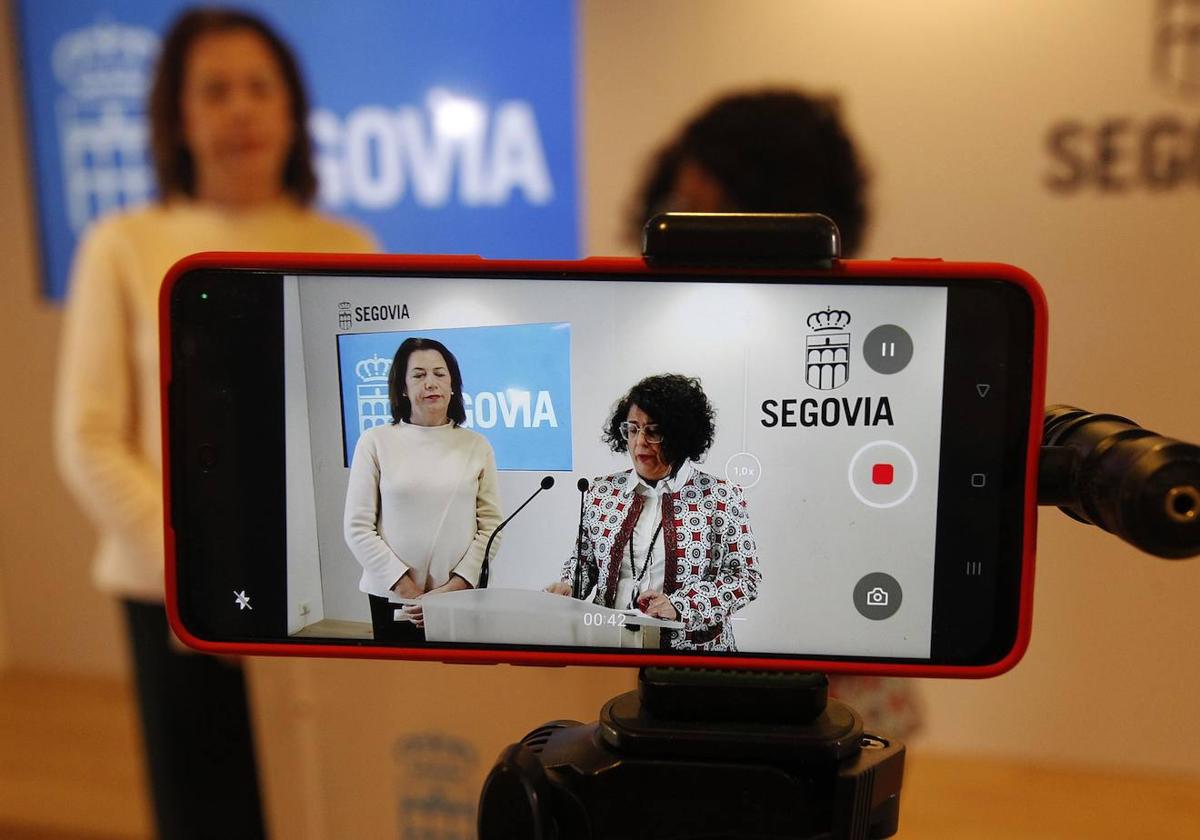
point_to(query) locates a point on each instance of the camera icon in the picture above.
(877, 597)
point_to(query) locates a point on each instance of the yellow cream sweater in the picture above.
(107, 423)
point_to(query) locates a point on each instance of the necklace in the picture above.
(637, 577)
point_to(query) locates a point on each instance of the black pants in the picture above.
(196, 729)
(389, 631)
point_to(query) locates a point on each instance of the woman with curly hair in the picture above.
(775, 150)
(663, 537)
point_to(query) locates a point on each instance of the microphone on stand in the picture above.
(577, 584)
(546, 484)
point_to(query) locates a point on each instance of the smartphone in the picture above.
(821, 469)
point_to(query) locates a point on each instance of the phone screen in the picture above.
(817, 469)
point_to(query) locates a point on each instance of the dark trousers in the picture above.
(389, 631)
(196, 729)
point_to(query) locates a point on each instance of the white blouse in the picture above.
(647, 529)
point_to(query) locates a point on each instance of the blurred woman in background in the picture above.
(231, 154)
(775, 150)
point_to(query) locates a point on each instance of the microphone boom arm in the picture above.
(546, 484)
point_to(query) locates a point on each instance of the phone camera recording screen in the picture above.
(761, 460)
(767, 467)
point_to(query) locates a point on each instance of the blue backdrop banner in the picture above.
(516, 388)
(444, 127)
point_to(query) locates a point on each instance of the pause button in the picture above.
(888, 349)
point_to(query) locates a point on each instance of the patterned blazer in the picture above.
(711, 568)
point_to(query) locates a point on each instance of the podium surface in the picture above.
(532, 617)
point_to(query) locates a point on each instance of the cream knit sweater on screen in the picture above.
(423, 500)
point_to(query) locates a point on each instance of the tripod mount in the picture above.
(700, 754)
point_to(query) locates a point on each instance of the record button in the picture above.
(882, 474)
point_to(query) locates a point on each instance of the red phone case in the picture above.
(898, 268)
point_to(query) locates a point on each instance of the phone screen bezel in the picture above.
(994, 646)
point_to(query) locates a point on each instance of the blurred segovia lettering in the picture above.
(377, 156)
(1156, 152)
(373, 157)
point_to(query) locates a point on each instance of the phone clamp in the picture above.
(759, 240)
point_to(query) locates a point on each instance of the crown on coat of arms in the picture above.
(829, 319)
(374, 369)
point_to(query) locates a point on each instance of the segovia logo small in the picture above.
(348, 314)
(1177, 46)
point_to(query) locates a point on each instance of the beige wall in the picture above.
(951, 102)
(4, 646)
(50, 616)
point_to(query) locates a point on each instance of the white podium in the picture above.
(530, 617)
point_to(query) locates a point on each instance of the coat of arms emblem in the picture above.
(1177, 46)
(827, 350)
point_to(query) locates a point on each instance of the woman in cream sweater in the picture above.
(422, 498)
(232, 160)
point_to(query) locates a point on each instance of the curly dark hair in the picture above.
(680, 408)
(401, 405)
(772, 151)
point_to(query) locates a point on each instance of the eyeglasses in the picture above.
(651, 433)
